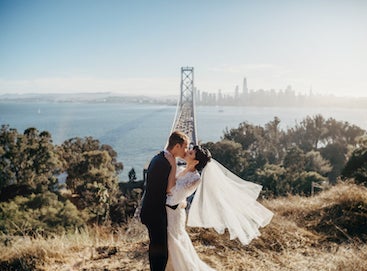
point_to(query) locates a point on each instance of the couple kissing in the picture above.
(216, 189)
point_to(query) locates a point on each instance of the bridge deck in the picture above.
(185, 121)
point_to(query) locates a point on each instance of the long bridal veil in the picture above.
(225, 201)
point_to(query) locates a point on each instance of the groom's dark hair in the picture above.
(203, 155)
(177, 137)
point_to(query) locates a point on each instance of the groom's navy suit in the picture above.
(153, 212)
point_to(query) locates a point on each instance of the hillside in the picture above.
(324, 232)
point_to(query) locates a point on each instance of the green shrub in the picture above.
(40, 213)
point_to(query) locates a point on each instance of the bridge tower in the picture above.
(184, 120)
(185, 114)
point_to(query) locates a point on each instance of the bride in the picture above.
(222, 201)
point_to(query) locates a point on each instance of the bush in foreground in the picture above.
(39, 214)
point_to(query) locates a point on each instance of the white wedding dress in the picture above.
(222, 201)
(225, 201)
(181, 252)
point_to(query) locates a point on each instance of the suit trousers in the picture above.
(158, 250)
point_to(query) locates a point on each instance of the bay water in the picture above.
(138, 131)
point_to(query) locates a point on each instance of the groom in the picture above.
(153, 211)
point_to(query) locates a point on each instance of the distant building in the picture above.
(272, 97)
(236, 92)
(244, 87)
(220, 96)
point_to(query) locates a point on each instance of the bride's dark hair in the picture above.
(203, 155)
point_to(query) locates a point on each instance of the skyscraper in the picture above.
(236, 92)
(244, 87)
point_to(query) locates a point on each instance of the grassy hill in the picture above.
(324, 232)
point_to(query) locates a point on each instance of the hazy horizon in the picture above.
(140, 46)
(163, 94)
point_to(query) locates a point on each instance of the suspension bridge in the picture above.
(185, 113)
(184, 119)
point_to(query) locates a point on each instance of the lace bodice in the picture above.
(185, 186)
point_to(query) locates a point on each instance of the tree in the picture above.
(336, 154)
(246, 134)
(9, 154)
(132, 175)
(92, 176)
(39, 213)
(71, 151)
(43, 164)
(309, 134)
(342, 132)
(228, 153)
(287, 162)
(29, 192)
(27, 159)
(274, 143)
(259, 146)
(294, 161)
(272, 177)
(302, 185)
(356, 166)
(315, 162)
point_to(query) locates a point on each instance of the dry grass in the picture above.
(326, 232)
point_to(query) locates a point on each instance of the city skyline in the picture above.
(139, 46)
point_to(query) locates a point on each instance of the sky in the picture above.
(139, 47)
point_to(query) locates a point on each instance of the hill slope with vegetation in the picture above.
(324, 232)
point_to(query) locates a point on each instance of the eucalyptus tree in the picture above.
(274, 141)
(356, 166)
(27, 159)
(273, 179)
(331, 138)
(92, 175)
(8, 155)
(228, 153)
(309, 134)
(253, 151)
(315, 162)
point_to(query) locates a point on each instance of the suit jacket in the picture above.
(153, 210)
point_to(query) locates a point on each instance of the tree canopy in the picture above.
(315, 151)
(30, 166)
